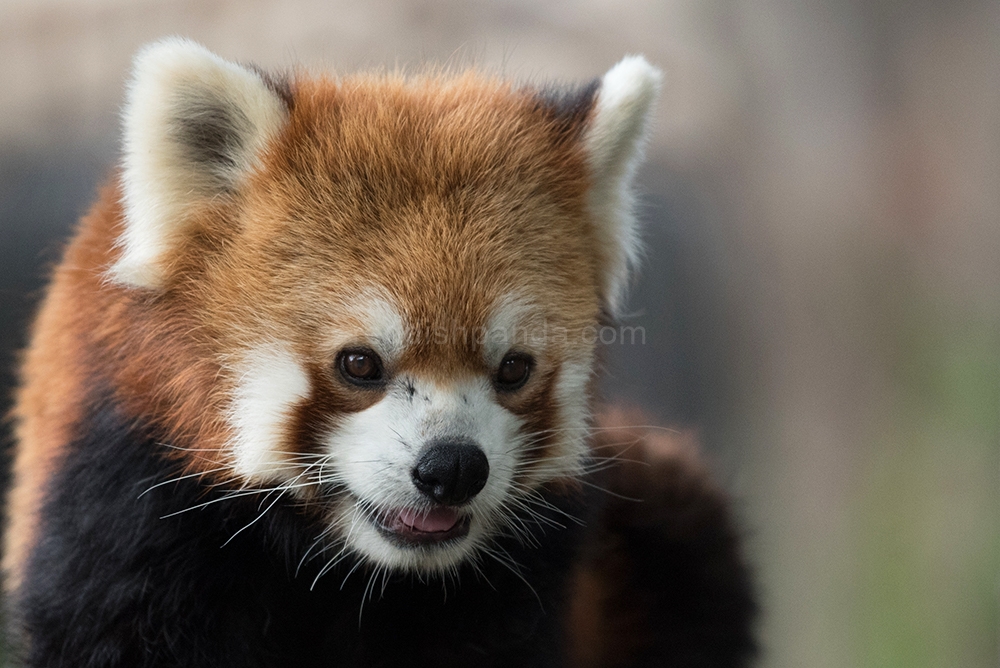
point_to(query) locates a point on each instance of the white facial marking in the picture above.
(571, 395)
(375, 450)
(384, 325)
(516, 322)
(270, 382)
(381, 325)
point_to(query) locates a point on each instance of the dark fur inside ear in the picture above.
(568, 106)
(212, 133)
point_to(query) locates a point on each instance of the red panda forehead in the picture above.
(432, 130)
(446, 194)
(374, 156)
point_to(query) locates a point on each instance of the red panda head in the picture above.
(399, 280)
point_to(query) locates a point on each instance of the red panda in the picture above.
(313, 386)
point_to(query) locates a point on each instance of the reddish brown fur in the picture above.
(447, 192)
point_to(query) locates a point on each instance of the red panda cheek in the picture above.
(327, 405)
(282, 406)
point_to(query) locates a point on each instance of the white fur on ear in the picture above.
(194, 124)
(614, 141)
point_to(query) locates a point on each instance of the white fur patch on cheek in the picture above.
(571, 394)
(270, 382)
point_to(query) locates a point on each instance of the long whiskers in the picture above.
(282, 490)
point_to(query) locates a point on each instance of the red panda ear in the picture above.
(194, 125)
(614, 141)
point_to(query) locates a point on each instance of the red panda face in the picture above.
(399, 282)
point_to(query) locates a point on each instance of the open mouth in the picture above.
(411, 526)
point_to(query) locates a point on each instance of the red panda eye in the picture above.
(513, 372)
(361, 367)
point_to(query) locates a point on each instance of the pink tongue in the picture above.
(434, 520)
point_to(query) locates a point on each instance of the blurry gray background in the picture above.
(822, 291)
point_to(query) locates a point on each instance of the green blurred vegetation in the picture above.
(927, 519)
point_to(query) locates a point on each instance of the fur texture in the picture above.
(312, 387)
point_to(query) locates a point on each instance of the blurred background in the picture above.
(821, 296)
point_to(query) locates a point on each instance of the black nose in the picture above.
(452, 472)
